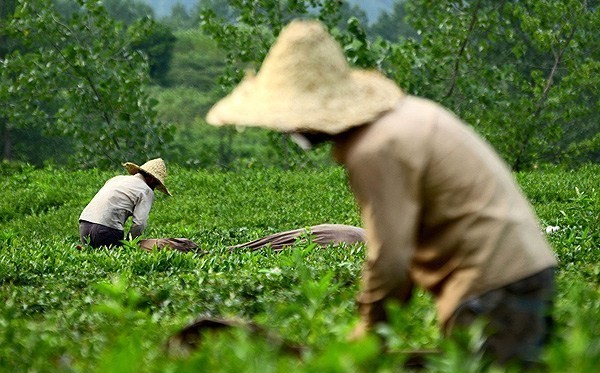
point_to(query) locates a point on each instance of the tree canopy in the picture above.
(65, 79)
(523, 73)
(80, 77)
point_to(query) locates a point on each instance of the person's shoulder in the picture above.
(414, 113)
(140, 183)
(407, 126)
(401, 135)
(133, 181)
(115, 179)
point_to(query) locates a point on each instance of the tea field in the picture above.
(66, 308)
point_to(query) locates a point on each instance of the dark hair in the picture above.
(150, 180)
(316, 138)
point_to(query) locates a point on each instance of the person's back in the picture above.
(435, 192)
(439, 207)
(116, 200)
(102, 221)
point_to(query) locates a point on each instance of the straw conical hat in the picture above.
(155, 168)
(305, 84)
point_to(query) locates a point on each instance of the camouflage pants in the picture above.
(517, 319)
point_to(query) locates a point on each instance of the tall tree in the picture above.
(7, 8)
(157, 44)
(507, 68)
(79, 77)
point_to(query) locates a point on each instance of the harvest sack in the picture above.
(322, 234)
(180, 244)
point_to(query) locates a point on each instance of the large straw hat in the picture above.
(155, 168)
(305, 84)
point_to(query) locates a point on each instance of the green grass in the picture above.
(70, 310)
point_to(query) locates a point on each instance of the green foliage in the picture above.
(35, 146)
(65, 79)
(468, 56)
(196, 63)
(247, 41)
(76, 309)
(157, 44)
(571, 203)
(470, 59)
(7, 8)
(524, 74)
(577, 348)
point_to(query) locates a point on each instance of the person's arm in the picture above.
(389, 196)
(140, 215)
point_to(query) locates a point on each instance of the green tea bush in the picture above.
(569, 201)
(70, 308)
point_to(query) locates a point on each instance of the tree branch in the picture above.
(540, 103)
(550, 80)
(105, 114)
(461, 51)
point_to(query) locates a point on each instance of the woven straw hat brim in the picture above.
(133, 169)
(363, 97)
(306, 84)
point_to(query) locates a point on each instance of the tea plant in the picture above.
(70, 308)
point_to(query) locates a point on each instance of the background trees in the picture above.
(66, 80)
(518, 71)
(524, 74)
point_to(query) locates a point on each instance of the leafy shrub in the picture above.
(74, 309)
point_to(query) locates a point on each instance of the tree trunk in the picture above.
(225, 147)
(521, 153)
(6, 144)
(463, 46)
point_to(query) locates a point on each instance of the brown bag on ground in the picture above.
(322, 234)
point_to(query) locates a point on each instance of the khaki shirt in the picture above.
(440, 208)
(121, 197)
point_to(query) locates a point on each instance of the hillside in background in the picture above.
(163, 8)
(373, 8)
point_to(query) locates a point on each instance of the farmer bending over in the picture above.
(440, 208)
(102, 221)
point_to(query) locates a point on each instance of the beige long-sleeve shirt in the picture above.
(121, 197)
(440, 208)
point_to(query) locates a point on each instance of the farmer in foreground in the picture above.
(440, 208)
(102, 221)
